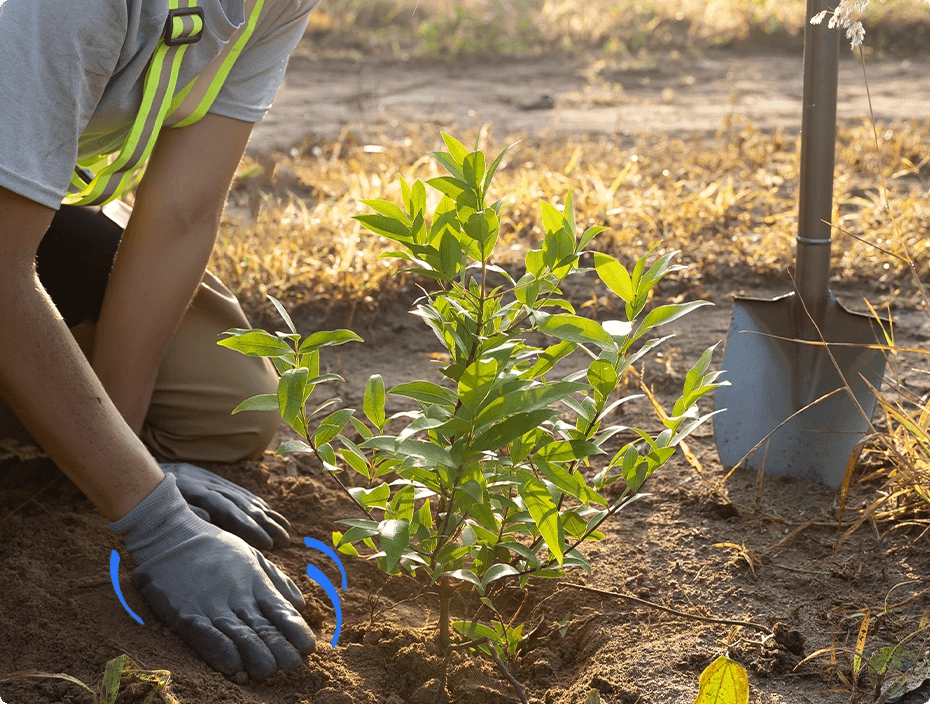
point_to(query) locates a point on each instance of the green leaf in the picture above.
(417, 202)
(535, 262)
(522, 551)
(337, 539)
(473, 166)
(568, 450)
(457, 189)
(527, 290)
(589, 235)
(549, 358)
(389, 210)
(412, 448)
(449, 164)
(483, 227)
(574, 328)
(262, 402)
(723, 682)
(571, 484)
(573, 558)
(456, 149)
(391, 228)
(359, 531)
(666, 314)
(327, 338)
(613, 273)
(361, 428)
(425, 391)
(509, 429)
(373, 403)
(464, 575)
(401, 506)
(603, 378)
(395, 537)
(332, 425)
(293, 446)
(327, 456)
(354, 457)
(283, 313)
(544, 512)
(291, 398)
(450, 254)
(256, 343)
(371, 497)
(496, 572)
(553, 220)
(474, 630)
(476, 381)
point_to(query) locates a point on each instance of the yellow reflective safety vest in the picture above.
(100, 179)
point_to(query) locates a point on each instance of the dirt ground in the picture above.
(695, 543)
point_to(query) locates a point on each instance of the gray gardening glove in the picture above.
(235, 608)
(219, 501)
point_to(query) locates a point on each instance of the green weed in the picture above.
(121, 674)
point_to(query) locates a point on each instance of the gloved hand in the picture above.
(235, 608)
(232, 508)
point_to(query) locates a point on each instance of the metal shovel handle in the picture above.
(818, 153)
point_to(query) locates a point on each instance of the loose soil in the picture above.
(699, 542)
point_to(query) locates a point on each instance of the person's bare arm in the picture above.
(48, 383)
(163, 255)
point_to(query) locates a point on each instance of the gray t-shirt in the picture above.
(72, 73)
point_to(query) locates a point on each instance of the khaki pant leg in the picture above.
(199, 383)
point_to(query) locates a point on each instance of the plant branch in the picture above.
(503, 668)
(674, 612)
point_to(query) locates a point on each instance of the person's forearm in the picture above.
(157, 270)
(49, 384)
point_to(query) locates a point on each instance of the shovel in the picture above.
(778, 383)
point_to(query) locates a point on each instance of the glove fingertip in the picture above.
(214, 646)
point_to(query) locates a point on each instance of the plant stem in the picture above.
(510, 678)
(441, 690)
(445, 594)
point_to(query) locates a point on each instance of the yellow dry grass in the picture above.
(728, 202)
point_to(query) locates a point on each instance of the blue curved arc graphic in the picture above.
(324, 548)
(317, 576)
(114, 577)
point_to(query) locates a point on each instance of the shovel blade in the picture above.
(772, 379)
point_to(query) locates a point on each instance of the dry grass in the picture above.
(640, 28)
(727, 202)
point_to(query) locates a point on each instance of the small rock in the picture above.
(241, 678)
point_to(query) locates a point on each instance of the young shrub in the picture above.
(492, 476)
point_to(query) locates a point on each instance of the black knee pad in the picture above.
(74, 261)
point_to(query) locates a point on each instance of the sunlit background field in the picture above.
(728, 202)
(622, 28)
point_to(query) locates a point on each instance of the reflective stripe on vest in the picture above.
(160, 107)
